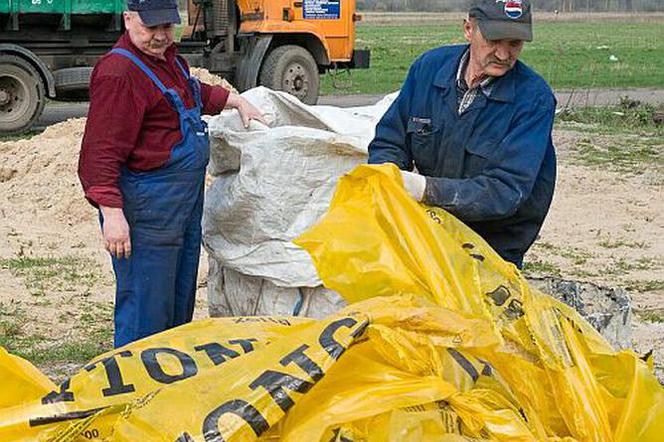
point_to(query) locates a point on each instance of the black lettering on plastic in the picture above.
(304, 362)
(246, 344)
(327, 341)
(264, 319)
(276, 384)
(487, 370)
(464, 363)
(59, 396)
(500, 295)
(91, 433)
(469, 246)
(185, 437)
(514, 310)
(149, 358)
(116, 385)
(434, 217)
(338, 437)
(360, 330)
(238, 407)
(217, 352)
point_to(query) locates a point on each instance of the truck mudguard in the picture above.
(47, 75)
(246, 75)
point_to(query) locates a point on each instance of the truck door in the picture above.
(334, 18)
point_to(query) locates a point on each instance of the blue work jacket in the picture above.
(493, 166)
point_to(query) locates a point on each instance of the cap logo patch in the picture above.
(513, 8)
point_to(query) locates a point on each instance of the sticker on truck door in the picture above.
(322, 9)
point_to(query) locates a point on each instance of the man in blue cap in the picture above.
(476, 123)
(143, 160)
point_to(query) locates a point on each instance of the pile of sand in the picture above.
(38, 177)
(206, 77)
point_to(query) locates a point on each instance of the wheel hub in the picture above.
(296, 81)
(21, 94)
(4, 97)
(12, 94)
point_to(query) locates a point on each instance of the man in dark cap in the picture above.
(476, 123)
(143, 160)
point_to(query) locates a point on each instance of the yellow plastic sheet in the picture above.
(553, 376)
(444, 342)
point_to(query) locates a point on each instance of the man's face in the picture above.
(493, 57)
(152, 40)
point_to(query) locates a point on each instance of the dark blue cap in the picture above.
(503, 19)
(155, 12)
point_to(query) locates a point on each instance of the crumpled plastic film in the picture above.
(444, 342)
(559, 377)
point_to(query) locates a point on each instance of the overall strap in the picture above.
(184, 71)
(194, 84)
(143, 67)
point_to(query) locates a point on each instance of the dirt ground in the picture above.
(56, 285)
(606, 226)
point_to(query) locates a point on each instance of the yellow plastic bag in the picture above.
(235, 379)
(557, 371)
(123, 380)
(445, 342)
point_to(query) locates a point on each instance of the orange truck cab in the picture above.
(281, 44)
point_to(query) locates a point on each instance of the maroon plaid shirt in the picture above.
(130, 122)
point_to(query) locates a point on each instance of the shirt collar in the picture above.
(485, 85)
(502, 89)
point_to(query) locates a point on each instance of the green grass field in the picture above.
(567, 54)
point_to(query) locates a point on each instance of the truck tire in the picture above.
(72, 79)
(292, 69)
(72, 84)
(22, 96)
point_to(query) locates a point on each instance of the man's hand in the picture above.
(116, 232)
(414, 184)
(247, 110)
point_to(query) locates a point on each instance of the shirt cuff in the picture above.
(104, 196)
(217, 100)
(441, 192)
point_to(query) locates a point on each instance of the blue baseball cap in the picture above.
(156, 12)
(503, 19)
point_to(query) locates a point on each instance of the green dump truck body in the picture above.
(62, 7)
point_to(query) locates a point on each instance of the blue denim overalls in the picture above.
(156, 286)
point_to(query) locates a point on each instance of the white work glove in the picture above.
(414, 184)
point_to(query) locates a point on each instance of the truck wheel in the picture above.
(292, 69)
(22, 94)
(72, 83)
